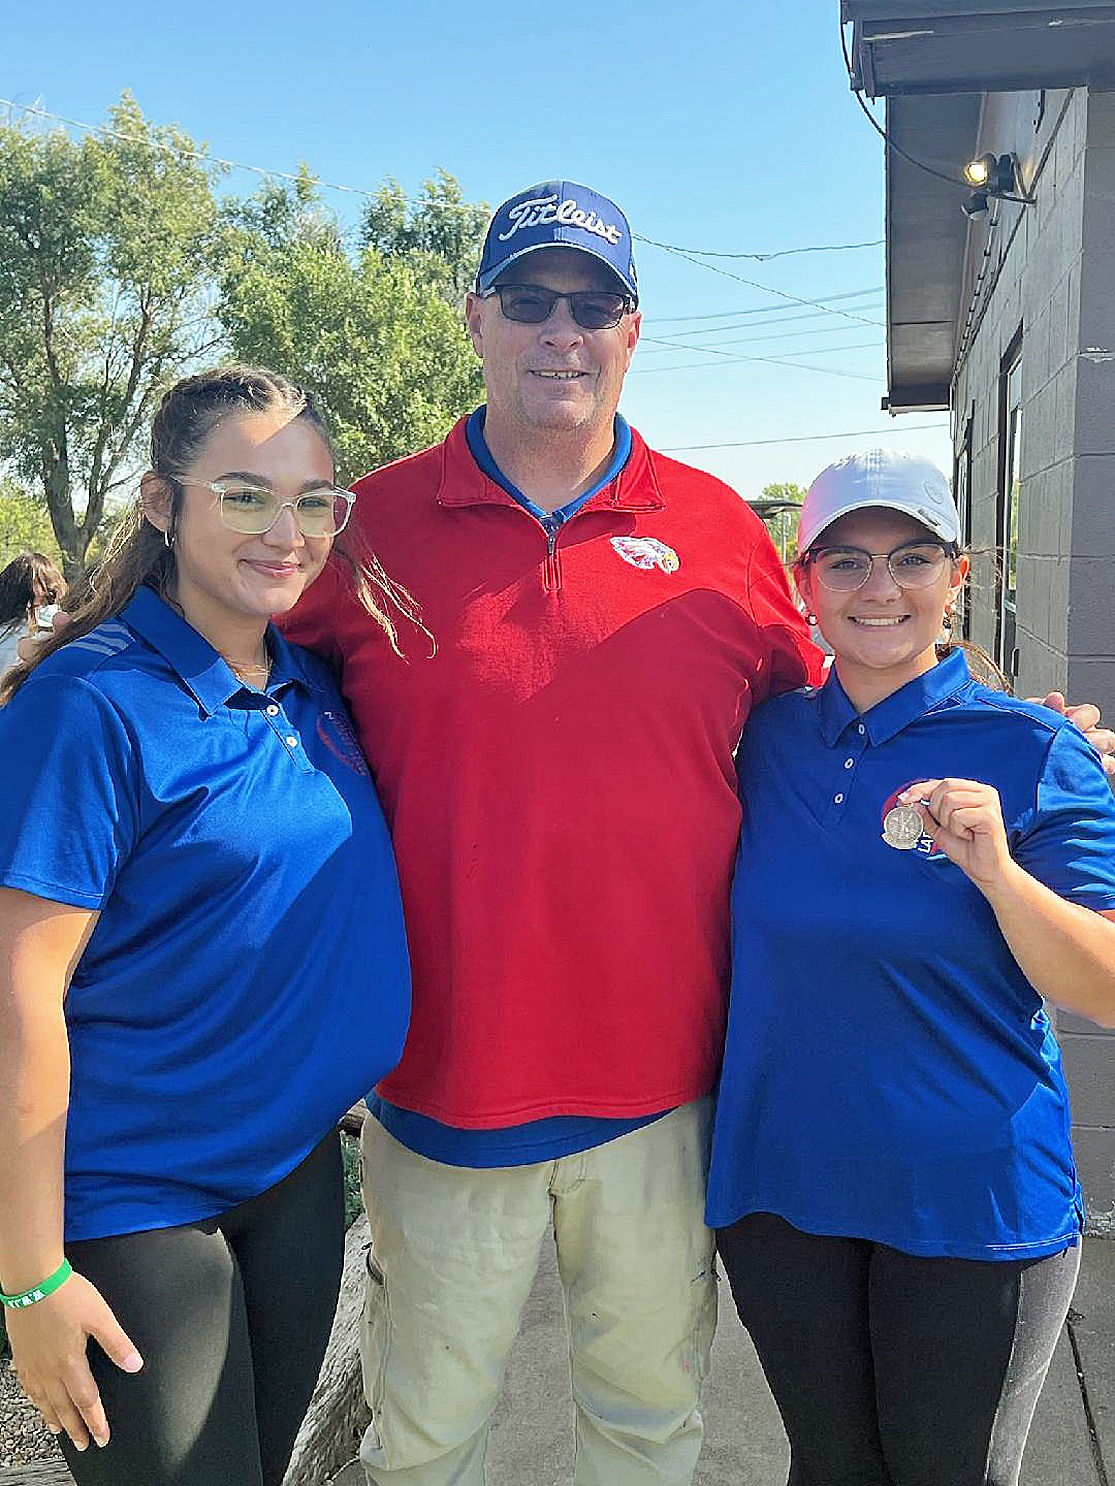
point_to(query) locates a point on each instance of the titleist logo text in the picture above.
(544, 209)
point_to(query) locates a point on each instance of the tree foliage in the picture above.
(371, 330)
(24, 525)
(106, 257)
(783, 524)
(120, 271)
(440, 236)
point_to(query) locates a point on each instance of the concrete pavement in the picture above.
(1072, 1442)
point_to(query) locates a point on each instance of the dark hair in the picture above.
(29, 581)
(140, 554)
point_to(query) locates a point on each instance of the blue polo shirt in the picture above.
(247, 977)
(890, 1074)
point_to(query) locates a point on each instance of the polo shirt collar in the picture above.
(203, 671)
(888, 717)
(464, 483)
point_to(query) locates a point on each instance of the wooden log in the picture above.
(43, 1473)
(337, 1416)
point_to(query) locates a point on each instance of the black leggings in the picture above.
(891, 1370)
(231, 1317)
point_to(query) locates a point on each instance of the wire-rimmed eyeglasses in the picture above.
(911, 565)
(254, 509)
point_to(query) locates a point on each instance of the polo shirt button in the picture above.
(849, 763)
(291, 741)
(838, 799)
(861, 729)
(272, 711)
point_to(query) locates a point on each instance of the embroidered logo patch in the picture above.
(646, 553)
(335, 731)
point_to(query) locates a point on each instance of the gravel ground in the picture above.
(23, 1437)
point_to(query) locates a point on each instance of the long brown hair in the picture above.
(28, 582)
(139, 554)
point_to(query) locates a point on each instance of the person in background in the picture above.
(922, 860)
(31, 588)
(202, 962)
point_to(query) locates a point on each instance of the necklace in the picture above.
(248, 670)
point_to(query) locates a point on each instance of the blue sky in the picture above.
(718, 126)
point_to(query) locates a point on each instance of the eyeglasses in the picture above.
(253, 509)
(531, 304)
(913, 565)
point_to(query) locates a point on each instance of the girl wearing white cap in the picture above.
(922, 861)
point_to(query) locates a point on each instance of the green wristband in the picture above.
(38, 1292)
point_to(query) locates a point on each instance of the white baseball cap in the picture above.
(890, 478)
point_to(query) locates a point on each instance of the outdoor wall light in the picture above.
(997, 175)
(993, 176)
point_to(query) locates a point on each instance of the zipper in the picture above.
(551, 573)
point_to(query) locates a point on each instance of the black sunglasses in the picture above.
(531, 304)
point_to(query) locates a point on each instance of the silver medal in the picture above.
(902, 827)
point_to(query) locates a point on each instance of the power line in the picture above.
(882, 133)
(766, 289)
(727, 356)
(763, 309)
(761, 257)
(809, 438)
(283, 175)
(671, 343)
(175, 149)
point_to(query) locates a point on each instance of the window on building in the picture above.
(1010, 474)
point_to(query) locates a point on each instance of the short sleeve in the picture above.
(1070, 844)
(69, 816)
(792, 658)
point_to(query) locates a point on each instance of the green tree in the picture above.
(369, 330)
(24, 525)
(782, 520)
(441, 235)
(106, 269)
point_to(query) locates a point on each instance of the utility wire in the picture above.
(283, 175)
(766, 289)
(882, 133)
(672, 343)
(827, 371)
(761, 257)
(809, 438)
(763, 309)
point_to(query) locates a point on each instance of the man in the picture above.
(560, 786)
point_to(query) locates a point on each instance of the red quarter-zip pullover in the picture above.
(558, 776)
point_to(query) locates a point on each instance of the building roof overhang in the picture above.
(926, 236)
(961, 46)
(934, 60)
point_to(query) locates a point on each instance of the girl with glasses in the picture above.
(202, 959)
(922, 861)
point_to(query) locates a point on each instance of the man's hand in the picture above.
(1086, 716)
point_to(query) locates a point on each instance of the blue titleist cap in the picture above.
(558, 214)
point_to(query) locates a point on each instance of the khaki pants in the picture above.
(454, 1255)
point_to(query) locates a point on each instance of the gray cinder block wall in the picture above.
(1043, 277)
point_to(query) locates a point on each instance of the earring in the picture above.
(946, 621)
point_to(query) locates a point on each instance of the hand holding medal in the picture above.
(964, 819)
